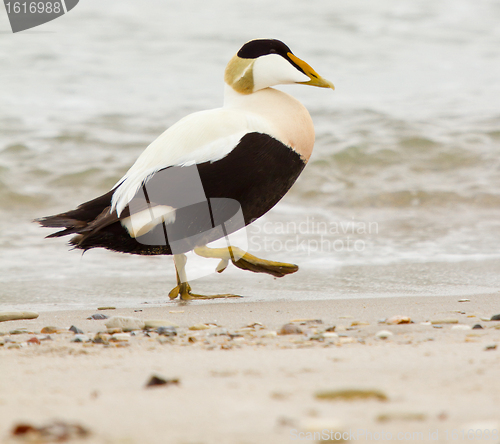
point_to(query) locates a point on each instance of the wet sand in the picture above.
(241, 384)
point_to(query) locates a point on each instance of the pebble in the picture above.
(57, 431)
(202, 326)
(50, 330)
(114, 330)
(359, 323)
(461, 327)
(120, 337)
(97, 317)
(80, 338)
(270, 334)
(347, 340)
(485, 319)
(101, 338)
(290, 329)
(239, 339)
(383, 334)
(106, 308)
(332, 328)
(398, 319)
(401, 416)
(155, 381)
(153, 324)
(444, 321)
(17, 315)
(19, 331)
(477, 327)
(464, 300)
(330, 334)
(495, 317)
(126, 323)
(351, 394)
(76, 330)
(33, 340)
(166, 331)
(491, 347)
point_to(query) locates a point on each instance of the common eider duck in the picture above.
(210, 174)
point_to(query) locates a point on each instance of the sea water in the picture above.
(401, 195)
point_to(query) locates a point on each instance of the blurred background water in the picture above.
(406, 162)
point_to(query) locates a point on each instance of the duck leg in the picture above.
(183, 289)
(245, 261)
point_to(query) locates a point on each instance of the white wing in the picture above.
(200, 137)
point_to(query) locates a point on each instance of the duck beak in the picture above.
(316, 79)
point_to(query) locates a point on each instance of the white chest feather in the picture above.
(211, 135)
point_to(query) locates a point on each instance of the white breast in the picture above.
(211, 135)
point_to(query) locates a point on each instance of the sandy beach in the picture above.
(241, 381)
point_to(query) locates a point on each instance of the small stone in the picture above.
(155, 381)
(101, 338)
(76, 330)
(495, 317)
(33, 340)
(477, 327)
(330, 334)
(332, 328)
(239, 339)
(270, 334)
(444, 321)
(120, 337)
(19, 331)
(166, 331)
(153, 324)
(464, 300)
(80, 338)
(114, 330)
(346, 340)
(351, 394)
(50, 330)
(461, 327)
(17, 315)
(383, 334)
(318, 337)
(401, 416)
(491, 347)
(56, 431)
(97, 317)
(398, 319)
(192, 339)
(106, 308)
(485, 319)
(290, 329)
(359, 323)
(126, 323)
(202, 326)
(437, 326)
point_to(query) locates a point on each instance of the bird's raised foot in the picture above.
(246, 261)
(184, 292)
